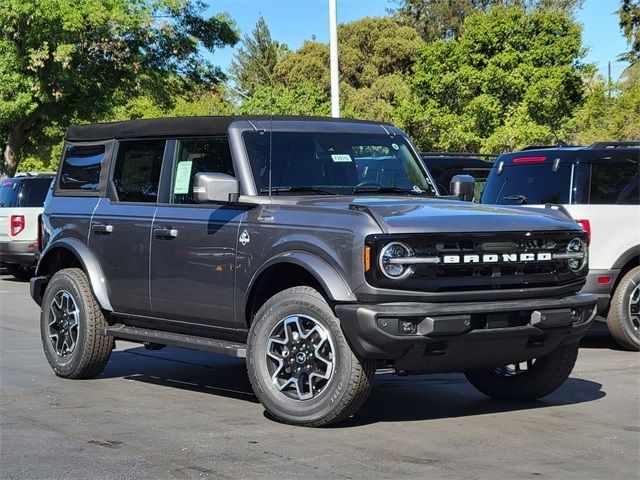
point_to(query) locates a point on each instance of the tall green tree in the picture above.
(376, 59)
(444, 19)
(511, 78)
(607, 114)
(629, 13)
(72, 59)
(255, 62)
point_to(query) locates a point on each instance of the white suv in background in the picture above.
(21, 202)
(599, 186)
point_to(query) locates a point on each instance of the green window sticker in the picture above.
(183, 177)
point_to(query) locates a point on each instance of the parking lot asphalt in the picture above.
(181, 414)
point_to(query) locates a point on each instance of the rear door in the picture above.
(121, 224)
(193, 248)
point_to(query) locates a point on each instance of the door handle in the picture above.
(165, 232)
(102, 228)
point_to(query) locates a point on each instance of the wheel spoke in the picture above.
(64, 324)
(300, 357)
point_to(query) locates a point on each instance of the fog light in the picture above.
(407, 327)
(575, 315)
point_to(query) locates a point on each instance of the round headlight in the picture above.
(392, 269)
(577, 246)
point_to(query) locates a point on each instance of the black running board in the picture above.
(160, 337)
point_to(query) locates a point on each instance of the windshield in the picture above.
(335, 163)
(528, 184)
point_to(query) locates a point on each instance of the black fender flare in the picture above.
(627, 256)
(333, 283)
(90, 265)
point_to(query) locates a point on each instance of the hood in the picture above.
(433, 215)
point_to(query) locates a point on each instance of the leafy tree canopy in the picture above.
(67, 59)
(629, 13)
(369, 48)
(511, 78)
(444, 19)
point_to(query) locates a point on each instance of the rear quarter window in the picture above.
(81, 167)
(33, 193)
(615, 183)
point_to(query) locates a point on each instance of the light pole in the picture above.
(333, 49)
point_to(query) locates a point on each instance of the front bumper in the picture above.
(601, 290)
(20, 252)
(458, 337)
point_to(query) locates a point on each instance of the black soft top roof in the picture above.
(180, 126)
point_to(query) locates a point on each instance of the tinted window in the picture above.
(9, 191)
(136, 175)
(33, 193)
(194, 156)
(615, 183)
(444, 175)
(81, 168)
(529, 184)
(336, 162)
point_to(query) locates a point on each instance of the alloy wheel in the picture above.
(300, 357)
(64, 325)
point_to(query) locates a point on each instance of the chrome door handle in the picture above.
(165, 232)
(102, 228)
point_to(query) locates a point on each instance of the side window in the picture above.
(136, 175)
(615, 183)
(81, 167)
(33, 193)
(194, 156)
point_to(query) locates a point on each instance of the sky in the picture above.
(294, 21)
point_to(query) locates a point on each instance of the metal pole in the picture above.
(333, 47)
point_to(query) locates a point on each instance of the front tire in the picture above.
(527, 380)
(624, 312)
(300, 365)
(69, 323)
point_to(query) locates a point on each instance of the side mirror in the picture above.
(463, 186)
(215, 188)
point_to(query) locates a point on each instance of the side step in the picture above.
(224, 347)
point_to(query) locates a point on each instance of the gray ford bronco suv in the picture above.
(319, 249)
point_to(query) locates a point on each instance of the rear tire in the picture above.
(541, 377)
(623, 319)
(69, 325)
(20, 272)
(300, 365)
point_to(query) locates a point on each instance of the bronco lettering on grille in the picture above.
(498, 258)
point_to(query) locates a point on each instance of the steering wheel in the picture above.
(368, 183)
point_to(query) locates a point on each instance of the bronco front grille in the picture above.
(516, 260)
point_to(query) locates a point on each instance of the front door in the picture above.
(121, 224)
(193, 247)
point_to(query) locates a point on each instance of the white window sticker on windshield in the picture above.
(341, 158)
(183, 176)
(395, 146)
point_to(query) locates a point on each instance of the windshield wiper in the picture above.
(521, 199)
(311, 189)
(381, 189)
